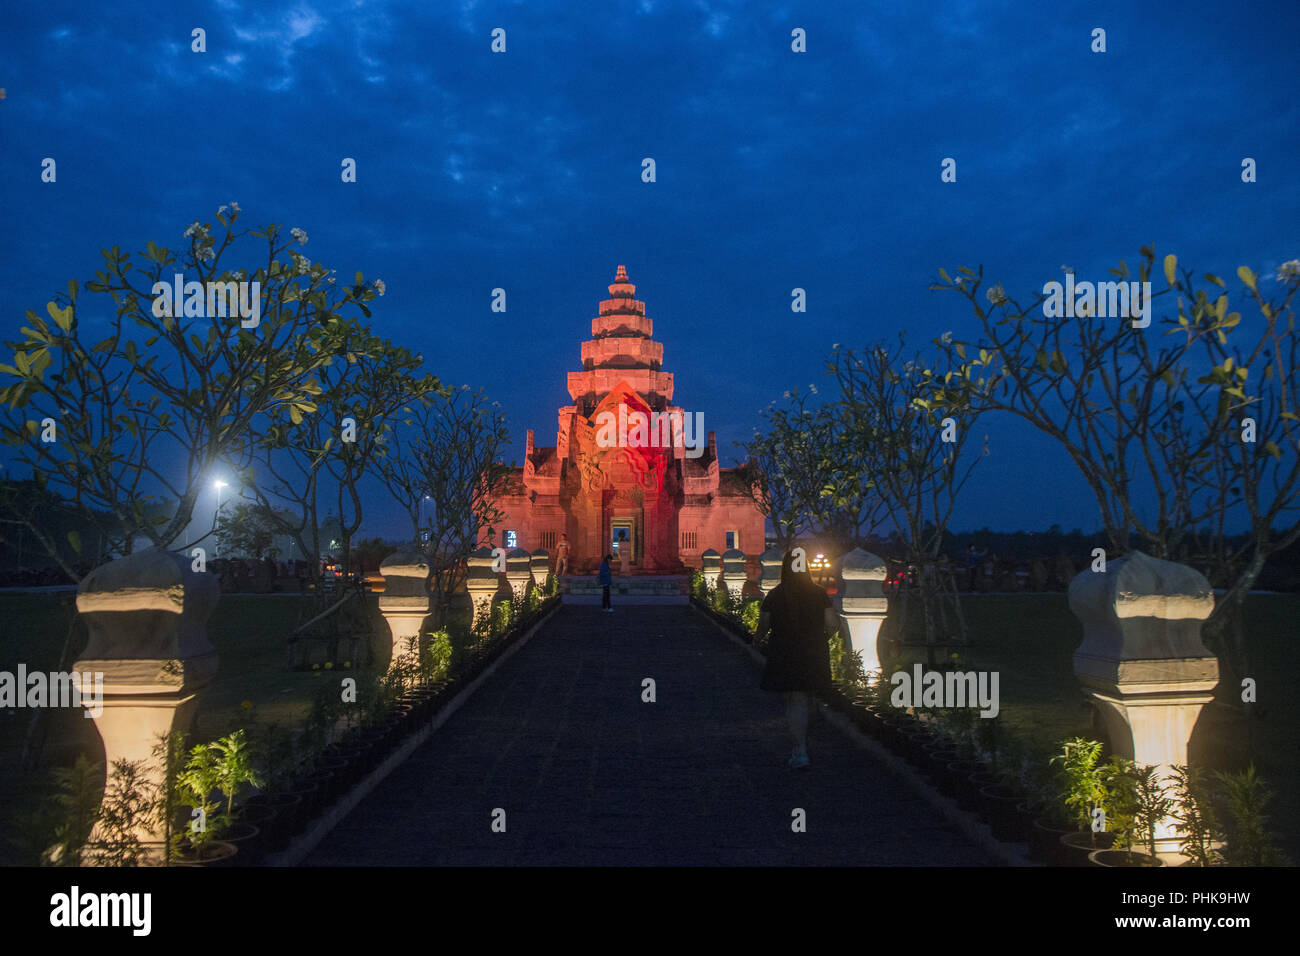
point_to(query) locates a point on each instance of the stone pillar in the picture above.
(770, 560)
(482, 582)
(1142, 662)
(405, 601)
(863, 604)
(541, 567)
(146, 616)
(712, 568)
(733, 573)
(519, 572)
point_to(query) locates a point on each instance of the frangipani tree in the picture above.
(445, 452)
(1182, 428)
(122, 395)
(898, 449)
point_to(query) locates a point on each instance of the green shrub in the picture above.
(749, 615)
(722, 601)
(437, 656)
(503, 615)
(1248, 841)
(697, 585)
(846, 665)
(1084, 785)
(1194, 814)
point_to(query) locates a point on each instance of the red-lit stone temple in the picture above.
(657, 493)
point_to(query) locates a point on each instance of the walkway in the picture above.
(588, 774)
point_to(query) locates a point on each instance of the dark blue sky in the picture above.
(775, 170)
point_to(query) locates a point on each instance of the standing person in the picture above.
(972, 564)
(562, 556)
(605, 581)
(801, 618)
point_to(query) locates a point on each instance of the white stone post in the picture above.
(863, 604)
(482, 582)
(146, 616)
(712, 568)
(1142, 661)
(519, 572)
(405, 601)
(734, 577)
(770, 561)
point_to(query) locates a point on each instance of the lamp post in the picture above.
(218, 485)
(424, 522)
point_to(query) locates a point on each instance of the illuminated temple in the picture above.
(656, 493)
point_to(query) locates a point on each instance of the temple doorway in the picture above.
(622, 537)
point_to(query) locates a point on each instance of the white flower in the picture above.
(1067, 270)
(835, 346)
(194, 230)
(207, 254)
(221, 211)
(946, 338)
(380, 287)
(330, 280)
(1289, 271)
(996, 294)
(234, 205)
(785, 394)
(812, 388)
(299, 235)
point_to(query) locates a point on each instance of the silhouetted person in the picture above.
(606, 579)
(800, 617)
(973, 563)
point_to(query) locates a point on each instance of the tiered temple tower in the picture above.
(662, 500)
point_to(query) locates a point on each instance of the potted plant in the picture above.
(233, 767)
(78, 800)
(128, 798)
(1194, 813)
(1249, 842)
(1137, 804)
(196, 844)
(1084, 794)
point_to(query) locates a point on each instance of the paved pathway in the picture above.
(588, 774)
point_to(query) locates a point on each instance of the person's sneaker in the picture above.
(798, 760)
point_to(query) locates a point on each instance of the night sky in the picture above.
(775, 170)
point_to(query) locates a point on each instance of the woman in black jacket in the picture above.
(801, 618)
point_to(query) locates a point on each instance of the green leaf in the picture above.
(1211, 277)
(1272, 449)
(74, 539)
(1171, 268)
(1246, 276)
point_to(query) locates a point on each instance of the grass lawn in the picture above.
(1029, 639)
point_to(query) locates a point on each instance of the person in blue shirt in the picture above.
(606, 579)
